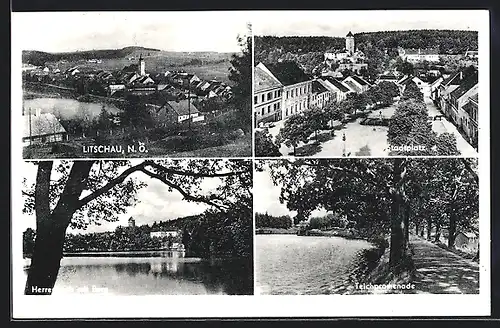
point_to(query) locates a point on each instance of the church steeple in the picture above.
(142, 66)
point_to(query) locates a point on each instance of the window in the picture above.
(255, 99)
(263, 99)
(278, 106)
(287, 94)
(268, 109)
(269, 95)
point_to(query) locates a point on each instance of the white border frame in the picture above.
(98, 306)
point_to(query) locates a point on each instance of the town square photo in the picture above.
(138, 84)
(344, 84)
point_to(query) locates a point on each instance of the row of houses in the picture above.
(456, 95)
(283, 89)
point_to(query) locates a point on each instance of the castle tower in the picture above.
(131, 222)
(142, 66)
(349, 43)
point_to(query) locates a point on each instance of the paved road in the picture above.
(442, 272)
(441, 126)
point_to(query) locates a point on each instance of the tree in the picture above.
(28, 241)
(383, 197)
(295, 130)
(409, 126)
(411, 91)
(264, 145)
(85, 192)
(240, 73)
(389, 88)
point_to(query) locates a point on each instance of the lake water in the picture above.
(68, 108)
(300, 265)
(168, 274)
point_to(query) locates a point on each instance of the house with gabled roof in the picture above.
(297, 86)
(470, 119)
(340, 89)
(42, 128)
(423, 86)
(356, 83)
(321, 94)
(267, 96)
(177, 112)
(419, 55)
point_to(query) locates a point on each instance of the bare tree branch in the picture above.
(185, 194)
(191, 174)
(101, 191)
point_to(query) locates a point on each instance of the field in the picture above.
(213, 65)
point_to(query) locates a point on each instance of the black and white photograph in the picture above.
(134, 84)
(137, 227)
(344, 84)
(367, 226)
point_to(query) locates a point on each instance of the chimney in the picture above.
(461, 75)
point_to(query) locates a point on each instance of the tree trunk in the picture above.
(437, 235)
(429, 228)
(397, 244)
(47, 255)
(416, 229)
(452, 231)
(422, 232)
(51, 226)
(406, 220)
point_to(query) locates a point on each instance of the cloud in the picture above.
(339, 23)
(171, 31)
(154, 203)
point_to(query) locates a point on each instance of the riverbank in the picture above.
(33, 90)
(380, 280)
(276, 231)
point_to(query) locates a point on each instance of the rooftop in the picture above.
(263, 81)
(287, 72)
(318, 87)
(41, 124)
(359, 80)
(421, 51)
(182, 107)
(339, 85)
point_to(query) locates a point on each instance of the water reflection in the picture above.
(289, 264)
(174, 275)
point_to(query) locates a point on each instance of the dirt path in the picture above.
(442, 272)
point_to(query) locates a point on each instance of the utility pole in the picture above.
(29, 112)
(189, 107)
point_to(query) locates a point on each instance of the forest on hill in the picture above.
(447, 41)
(39, 58)
(379, 47)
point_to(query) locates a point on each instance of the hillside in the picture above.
(39, 58)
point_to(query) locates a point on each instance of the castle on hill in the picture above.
(347, 58)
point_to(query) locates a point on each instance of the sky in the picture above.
(169, 31)
(339, 23)
(155, 203)
(267, 197)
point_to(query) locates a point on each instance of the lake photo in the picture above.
(167, 273)
(142, 227)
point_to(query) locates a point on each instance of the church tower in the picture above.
(349, 43)
(142, 66)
